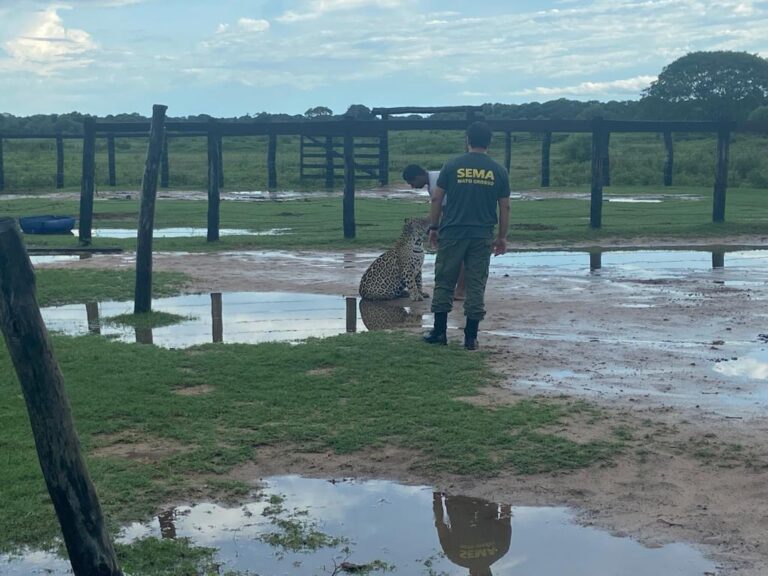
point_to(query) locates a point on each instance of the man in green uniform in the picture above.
(462, 231)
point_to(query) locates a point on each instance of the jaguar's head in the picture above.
(416, 227)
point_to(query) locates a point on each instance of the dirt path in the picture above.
(660, 353)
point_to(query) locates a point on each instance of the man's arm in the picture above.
(435, 211)
(500, 243)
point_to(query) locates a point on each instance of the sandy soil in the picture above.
(651, 350)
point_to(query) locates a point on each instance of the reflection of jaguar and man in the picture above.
(474, 533)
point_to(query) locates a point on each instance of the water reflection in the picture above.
(473, 533)
(753, 366)
(413, 528)
(383, 315)
(125, 233)
(234, 317)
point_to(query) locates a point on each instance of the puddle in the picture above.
(237, 317)
(412, 529)
(752, 366)
(182, 232)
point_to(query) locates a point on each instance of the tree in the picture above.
(358, 112)
(710, 85)
(318, 111)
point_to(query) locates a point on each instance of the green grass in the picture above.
(56, 286)
(146, 320)
(317, 223)
(342, 394)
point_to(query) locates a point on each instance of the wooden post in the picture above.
(143, 293)
(164, 169)
(721, 172)
(606, 158)
(595, 259)
(349, 184)
(384, 151)
(220, 147)
(669, 158)
(329, 163)
(59, 161)
(88, 181)
(74, 498)
(508, 150)
(217, 318)
(718, 259)
(351, 314)
(92, 314)
(111, 159)
(546, 145)
(214, 198)
(596, 204)
(272, 162)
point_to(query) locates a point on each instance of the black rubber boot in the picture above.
(470, 334)
(437, 334)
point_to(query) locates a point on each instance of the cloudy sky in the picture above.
(236, 57)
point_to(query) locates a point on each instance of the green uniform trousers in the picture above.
(475, 253)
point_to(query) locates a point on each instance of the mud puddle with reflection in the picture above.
(236, 317)
(413, 530)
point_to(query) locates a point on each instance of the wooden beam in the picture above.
(88, 181)
(143, 293)
(75, 501)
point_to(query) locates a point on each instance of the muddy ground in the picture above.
(646, 349)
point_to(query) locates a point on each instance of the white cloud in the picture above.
(626, 86)
(251, 25)
(46, 45)
(317, 8)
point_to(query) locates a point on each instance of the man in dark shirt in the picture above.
(462, 231)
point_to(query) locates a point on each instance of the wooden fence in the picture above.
(346, 130)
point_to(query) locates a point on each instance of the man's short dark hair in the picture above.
(411, 171)
(479, 135)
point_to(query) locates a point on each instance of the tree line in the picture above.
(698, 86)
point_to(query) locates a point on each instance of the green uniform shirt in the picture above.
(473, 184)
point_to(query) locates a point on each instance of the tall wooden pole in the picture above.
(349, 184)
(596, 201)
(669, 158)
(721, 173)
(164, 168)
(59, 161)
(508, 150)
(546, 146)
(214, 197)
(272, 162)
(58, 447)
(111, 159)
(143, 293)
(329, 163)
(384, 151)
(88, 181)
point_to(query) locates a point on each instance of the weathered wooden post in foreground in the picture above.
(721, 174)
(88, 183)
(143, 293)
(348, 202)
(58, 448)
